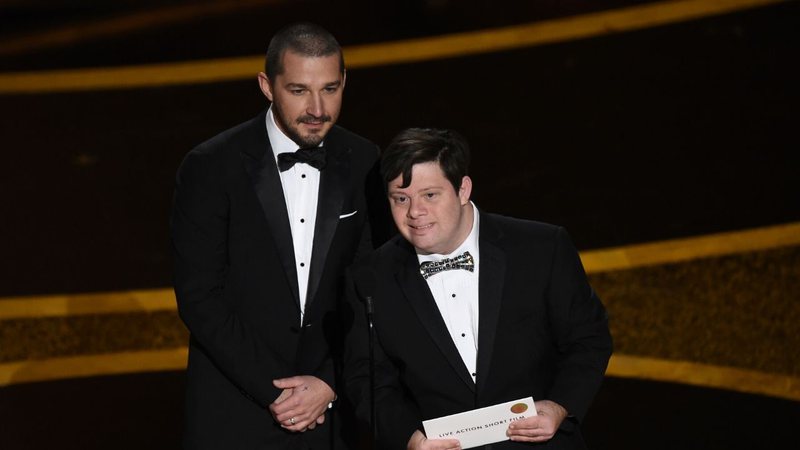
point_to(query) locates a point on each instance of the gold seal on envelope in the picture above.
(519, 408)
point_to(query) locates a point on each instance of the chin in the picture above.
(421, 247)
(309, 141)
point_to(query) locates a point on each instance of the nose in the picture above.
(415, 209)
(316, 106)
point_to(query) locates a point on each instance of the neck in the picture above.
(468, 220)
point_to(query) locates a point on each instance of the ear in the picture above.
(465, 190)
(265, 85)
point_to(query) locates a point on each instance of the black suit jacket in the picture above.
(236, 281)
(542, 333)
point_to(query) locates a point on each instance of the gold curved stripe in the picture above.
(145, 300)
(621, 366)
(595, 261)
(705, 375)
(546, 32)
(114, 26)
(92, 365)
(406, 51)
(677, 250)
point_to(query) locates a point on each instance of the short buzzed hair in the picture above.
(422, 145)
(305, 39)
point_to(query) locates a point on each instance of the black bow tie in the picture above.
(314, 157)
(462, 261)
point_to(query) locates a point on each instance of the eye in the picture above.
(430, 195)
(297, 91)
(400, 199)
(331, 89)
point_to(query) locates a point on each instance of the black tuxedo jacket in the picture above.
(542, 333)
(236, 281)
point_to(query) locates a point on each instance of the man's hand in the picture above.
(539, 428)
(302, 404)
(418, 441)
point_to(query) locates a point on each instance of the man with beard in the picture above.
(266, 216)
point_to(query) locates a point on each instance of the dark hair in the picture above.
(422, 145)
(305, 39)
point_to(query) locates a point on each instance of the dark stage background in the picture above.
(665, 132)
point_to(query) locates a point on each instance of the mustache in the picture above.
(309, 118)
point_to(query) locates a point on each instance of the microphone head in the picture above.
(365, 282)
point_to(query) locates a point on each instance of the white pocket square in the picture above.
(344, 216)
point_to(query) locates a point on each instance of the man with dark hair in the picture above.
(469, 309)
(265, 219)
(304, 39)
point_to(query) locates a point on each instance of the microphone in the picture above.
(365, 287)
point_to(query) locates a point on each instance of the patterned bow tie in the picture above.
(462, 261)
(314, 157)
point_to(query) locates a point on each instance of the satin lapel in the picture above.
(329, 205)
(260, 165)
(490, 294)
(419, 296)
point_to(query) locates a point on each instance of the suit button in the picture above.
(308, 325)
(294, 329)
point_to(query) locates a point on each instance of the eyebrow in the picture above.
(336, 83)
(398, 189)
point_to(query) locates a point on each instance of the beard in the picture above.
(292, 128)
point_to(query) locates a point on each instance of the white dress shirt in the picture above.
(301, 192)
(456, 295)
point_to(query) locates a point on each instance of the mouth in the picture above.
(314, 121)
(421, 228)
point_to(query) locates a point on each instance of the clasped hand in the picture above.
(302, 403)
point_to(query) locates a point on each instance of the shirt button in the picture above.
(302, 220)
(454, 295)
(474, 374)
(303, 176)
(463, 335)
(302, 264)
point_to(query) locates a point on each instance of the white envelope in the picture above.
(480, 426)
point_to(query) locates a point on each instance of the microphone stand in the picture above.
(371, 326)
